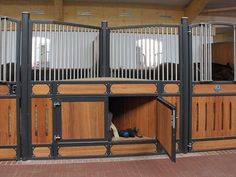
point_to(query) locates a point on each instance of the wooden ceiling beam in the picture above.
(194, 9)
(59, 11)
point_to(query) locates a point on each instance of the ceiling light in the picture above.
(85, 13)
(125, 14)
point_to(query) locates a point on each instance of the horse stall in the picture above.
(9, 93)
(69, 90)
(213, 87)
(103, 92)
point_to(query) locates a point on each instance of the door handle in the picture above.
(57, 138)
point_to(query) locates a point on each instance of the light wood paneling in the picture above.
(213, 116)
(41, 152)
(171, 88)
(139, 112)
(8, 127)
(133, 88)
(4, 90)
(82, 120)
(211, 88)
(223, 53)
(164, 127)
(40, 89)
(216, 144)
(174, 100)
(82, 150)
(133, 149)
(41, 120)
(82, 89)
(7, 153)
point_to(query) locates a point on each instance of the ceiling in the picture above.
(178, 3)
(220, 8)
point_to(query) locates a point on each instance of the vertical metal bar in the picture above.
(196, 53)
(5, 50)
(210, 53)
(158, 53)
(234, 53)
(71, 51)
(131, 52)
(201, 52)
(167, 53)
(74, 51)
(80, 53)
(11, 52)
(62, 50)
(154, 52)
(50, 54)
(25, 88)
(149, 50)
(206, 56)
(1, 46)
(67, 52)
(60, 57)
(186, 86)
(16, 49)
(163, 58)
(55, 50)
(111, 54)
(35, 50)
(87, 52)
(193, 51)
(135, 50)
(40, 51)
(141, 52)
(76, 54)
(146, 49)
(177, 46)
(171, 55)
(45, 50)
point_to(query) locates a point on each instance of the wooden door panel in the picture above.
(8, 128)
(82, 120)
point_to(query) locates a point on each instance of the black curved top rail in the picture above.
(64, 23)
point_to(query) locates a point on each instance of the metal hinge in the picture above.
(173, 116)
(190, 146)
(56, 104)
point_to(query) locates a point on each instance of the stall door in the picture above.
(79, 121)
(166, 131)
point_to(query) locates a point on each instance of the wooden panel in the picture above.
(164, 127)
(211, 88)
(131, 112)
(8, 127)
(175, 101)
(171, 88)
(82, 89)
(223, 53)
(82, 150)
(7, 153)
(216, 144)
(81, 120)
(213, 116)
(41, 120)
(4, 90)
(40, 89)
(133, 88)
(133, 149)
(41, 152)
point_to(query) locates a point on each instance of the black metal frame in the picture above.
(24, 93)
(15, 93)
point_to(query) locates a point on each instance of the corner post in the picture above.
(25, 90)
(186, 85)
(104, 50)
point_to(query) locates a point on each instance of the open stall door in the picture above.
(166, 131)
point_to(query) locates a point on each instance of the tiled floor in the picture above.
(212, 164)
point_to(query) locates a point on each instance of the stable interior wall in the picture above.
(111, 12)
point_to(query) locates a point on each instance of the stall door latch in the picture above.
(190, 146)
(56, 104)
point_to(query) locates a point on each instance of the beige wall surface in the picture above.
(137, 13)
